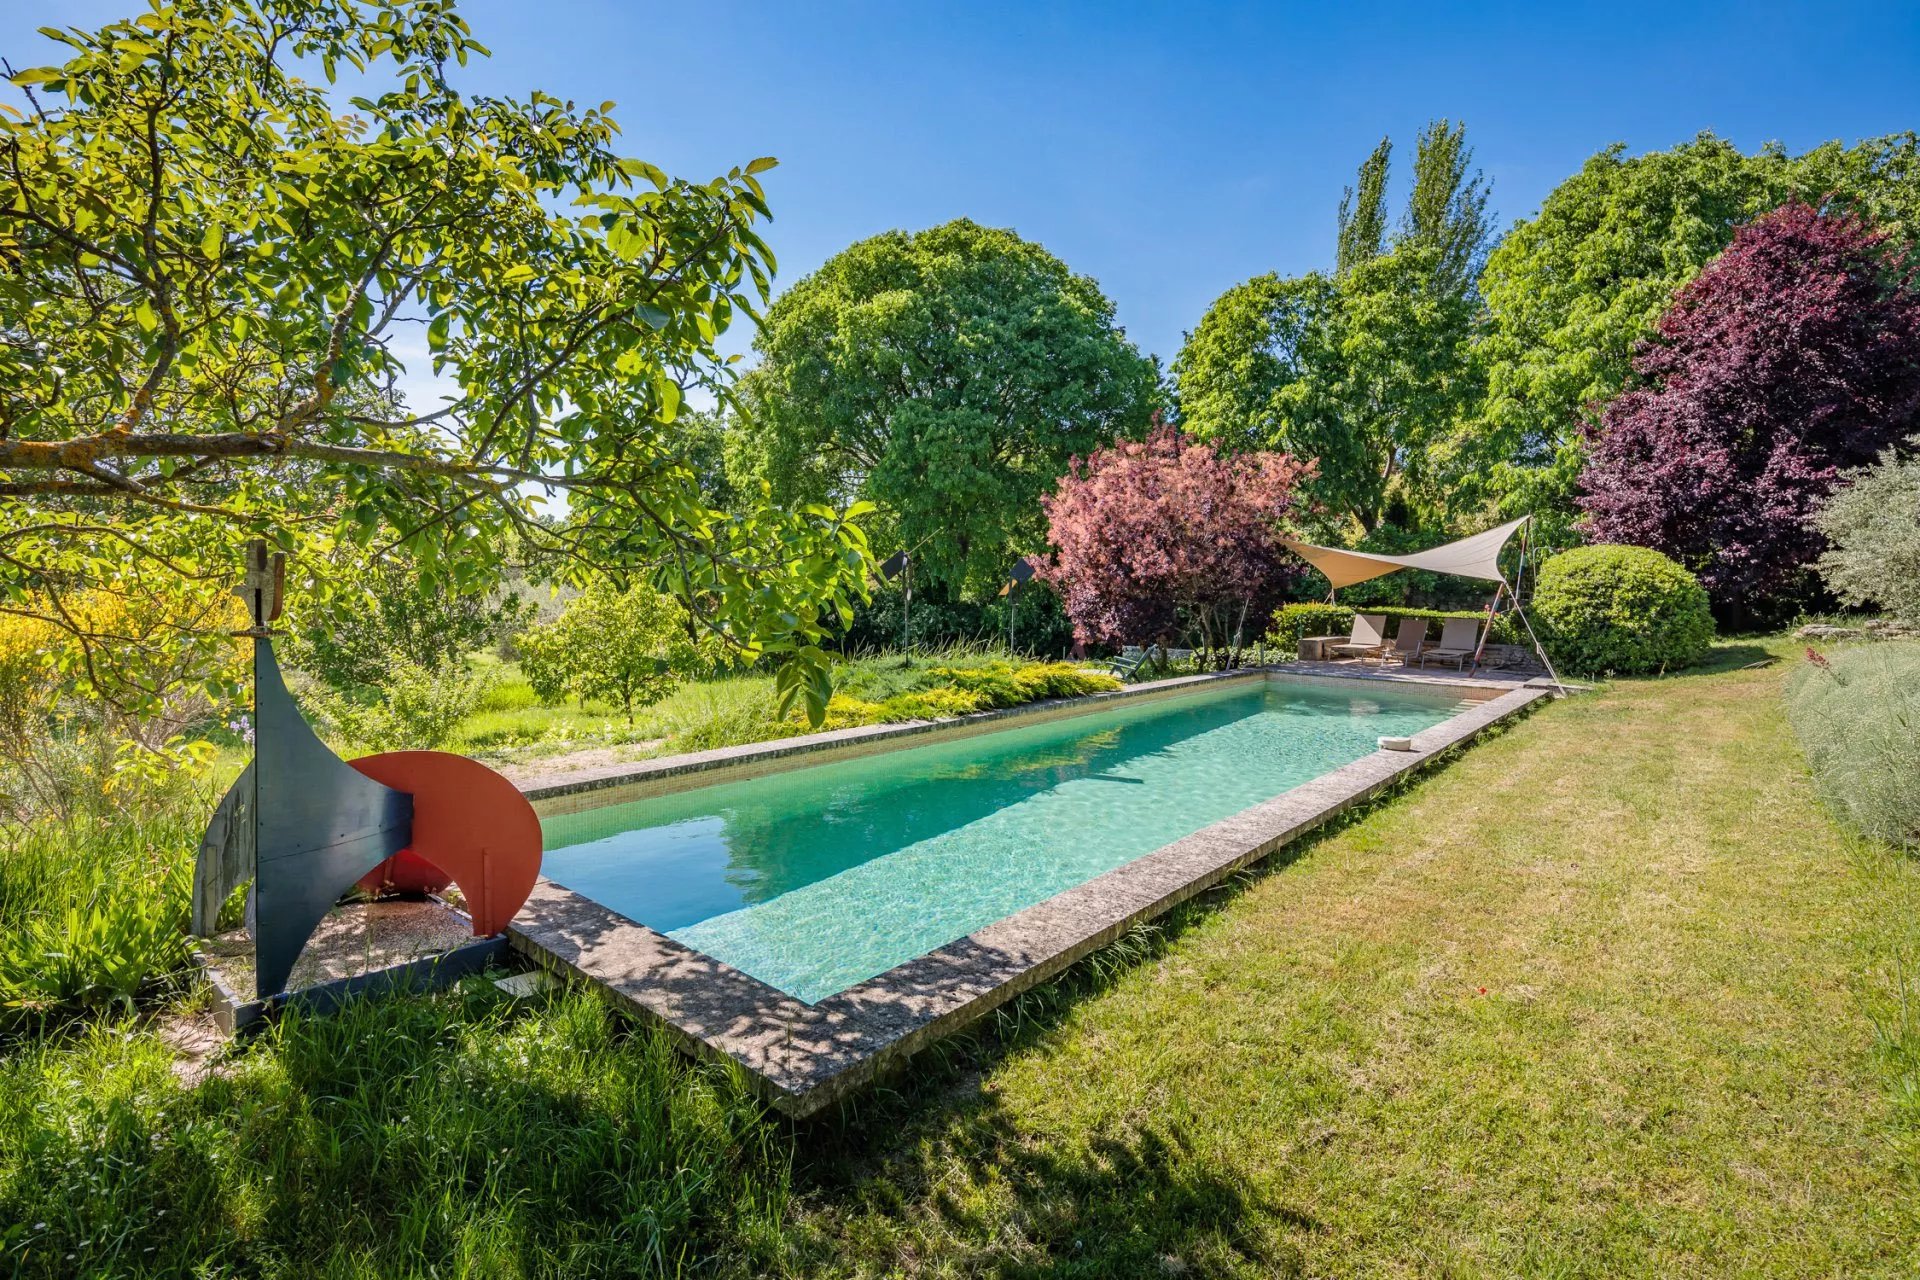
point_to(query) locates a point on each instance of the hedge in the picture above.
(1857, 715)
(1292, 622)
(1614, 610)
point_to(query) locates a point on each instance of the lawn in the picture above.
(1610, 994)
(511, 725)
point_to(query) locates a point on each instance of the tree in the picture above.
(1171, 534)
(1573, 290)
(1872, 528)
(208, 261)
(1363, 212)
(613, 644)
(946, 375)
(1447, 208)
(1795, 355)
(1362, 371)
(401, 618)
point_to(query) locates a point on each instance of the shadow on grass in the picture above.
(1723, 657)
(967, 1188)
(1731, 657)
(456, 1133)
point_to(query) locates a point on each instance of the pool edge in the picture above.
(644, 779)
(803, 1057)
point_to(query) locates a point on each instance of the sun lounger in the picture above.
(1459, 641)
(1369, 638)
(1133, 660)
(1408, 640)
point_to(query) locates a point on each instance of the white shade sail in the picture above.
(1474, 557)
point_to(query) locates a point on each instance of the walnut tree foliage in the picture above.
(947, 375)
(215, 270)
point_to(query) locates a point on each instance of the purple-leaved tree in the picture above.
(1791, 357)
(1165, 537)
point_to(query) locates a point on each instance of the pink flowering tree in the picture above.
(1166, 537)
(1792, 357)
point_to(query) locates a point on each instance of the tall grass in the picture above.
(94, 900)
(452, 1134)
(730, 710)
(1857, 715)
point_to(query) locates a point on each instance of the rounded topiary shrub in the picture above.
(1621, 611)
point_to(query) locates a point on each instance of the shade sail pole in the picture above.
(1525, 537)
(1486, 628)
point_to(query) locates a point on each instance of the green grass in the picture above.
(453, 1134)
(1611, 994)
(93, 905)
(511, 722)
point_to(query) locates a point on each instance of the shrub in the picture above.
(420, 709)
(1041, 625)
(1171, 535)
(893, 690)
(1621, 610)
(991, 686)
(1873, 531)
(1061, 680)
(1857, 716)
(1793, 355)
(623, 646)
(929, 704)
(1293, 622)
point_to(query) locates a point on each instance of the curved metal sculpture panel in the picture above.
(320, 825)
(305, 826)
(470, 825)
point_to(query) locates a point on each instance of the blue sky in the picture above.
(1167, 150)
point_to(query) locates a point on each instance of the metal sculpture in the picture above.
(305, 826)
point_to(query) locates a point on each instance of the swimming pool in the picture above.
(819, 878)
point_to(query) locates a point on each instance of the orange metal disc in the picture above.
(470, 826)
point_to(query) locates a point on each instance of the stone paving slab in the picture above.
(804, 1057)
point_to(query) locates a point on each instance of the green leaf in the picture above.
(761, 165)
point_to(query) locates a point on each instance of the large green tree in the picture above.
(947, 375)
(1364, 370)
(210, 269)
(1571, 291)
(1362, 221)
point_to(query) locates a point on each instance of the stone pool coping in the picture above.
(804, 1057)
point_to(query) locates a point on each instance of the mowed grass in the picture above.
(1609, 995)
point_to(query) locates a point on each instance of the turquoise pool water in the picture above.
(817, 879)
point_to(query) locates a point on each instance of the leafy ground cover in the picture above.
(1612, 994)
